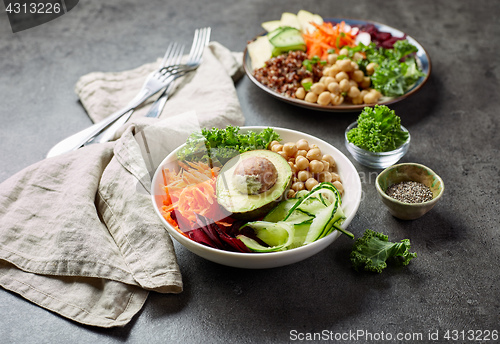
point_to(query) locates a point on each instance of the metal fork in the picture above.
(155, 82)
(171, 58)
(200, 41)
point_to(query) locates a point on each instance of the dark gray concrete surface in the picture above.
(452, 285)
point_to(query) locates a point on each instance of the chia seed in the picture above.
(410, 192)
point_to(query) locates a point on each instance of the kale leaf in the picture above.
(372, 251)
(378, 130)
(216, 146)
(397, 68)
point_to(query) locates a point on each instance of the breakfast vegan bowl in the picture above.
(255, 197)
(335, 64)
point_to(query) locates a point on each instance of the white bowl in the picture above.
(350, 203)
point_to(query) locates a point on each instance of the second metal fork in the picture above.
(200, 41)
(172, 57)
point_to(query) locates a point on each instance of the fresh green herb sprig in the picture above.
(378, 130)
(372, 251)
(216, 146)
(309, 63)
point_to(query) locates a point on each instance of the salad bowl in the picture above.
(422, 59)
(350, 203)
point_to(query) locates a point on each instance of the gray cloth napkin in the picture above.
(78, 234)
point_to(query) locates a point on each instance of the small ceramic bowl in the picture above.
(373, 159)
(409, 172)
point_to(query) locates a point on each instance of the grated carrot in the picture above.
(327, 37)
(191, 191)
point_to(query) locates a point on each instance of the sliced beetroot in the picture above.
(211, 234)
(381, 39)
(201, 237)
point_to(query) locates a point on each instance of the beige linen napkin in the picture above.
(78, 234)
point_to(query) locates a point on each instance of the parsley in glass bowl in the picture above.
(377, 139)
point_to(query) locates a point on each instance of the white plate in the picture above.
(350, 203)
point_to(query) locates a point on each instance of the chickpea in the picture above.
(325, 176)
(316, 166)
(302, 144)
(272, 144)
(311, 97)
(313, 145)
(331, 58)
(357, 76)
(366, 82)
(302, 163)
(353, 83)
(324, 98)
(310, 183)
(290, 148)
(306, 81)
(357, 100)
(337, 99)
(345, 65)
(370, 68)
(341, 76)
(290, 194)
(277, 147)
(355, 66)
(335, 177)
(328, 80)
(357, 56)
(363, 93)
(317, 88)
(344, 85)
(326, 165)
(333, 70)
(297, 186)
(283, 154)
(301, 152)
(334, 87)
(303, 176)
(339, 186)
(300, 93)
(343, 51)
(329, 159)
(292, 166)
(313, 154)
(371, 98)
(353, 92)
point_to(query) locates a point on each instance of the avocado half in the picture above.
(248, 185)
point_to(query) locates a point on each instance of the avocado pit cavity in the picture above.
(254, 175)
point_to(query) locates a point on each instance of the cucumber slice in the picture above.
(298, 216)
(273, 234)
(256, 247)
(301, 230)
(321, 223)
(312, 205)
(286, 39)
(280, 211)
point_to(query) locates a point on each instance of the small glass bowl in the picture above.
(375, 159)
